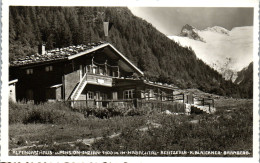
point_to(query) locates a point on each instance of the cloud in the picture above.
(169, 20)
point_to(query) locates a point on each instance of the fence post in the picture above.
(135, 103)
(183, 97)
(161, 106)
(202, 101)
(209, 108)
(213, 103)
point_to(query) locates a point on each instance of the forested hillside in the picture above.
(160, 58)
(245, 80)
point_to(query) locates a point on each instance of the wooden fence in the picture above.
(205, 102)
(173, 103)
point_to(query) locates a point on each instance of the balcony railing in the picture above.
(99, 80)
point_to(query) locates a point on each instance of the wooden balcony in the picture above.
(99, 80)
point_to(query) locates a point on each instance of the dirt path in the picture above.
(89, 141)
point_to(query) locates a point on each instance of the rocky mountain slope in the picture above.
(245, 80)
(190, 32)
(245, 75)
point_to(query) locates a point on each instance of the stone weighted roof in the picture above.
(54, 54)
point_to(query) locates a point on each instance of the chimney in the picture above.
(106, 26)
(41, 49)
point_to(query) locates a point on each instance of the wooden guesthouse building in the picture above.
(87, 73)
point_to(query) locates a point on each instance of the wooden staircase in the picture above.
(79, 88)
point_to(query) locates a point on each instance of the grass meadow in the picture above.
(55, 127)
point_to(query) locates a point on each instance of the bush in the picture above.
(53, 113)
(160, 106)
(144, 108)
(18, 112)
(111, 111)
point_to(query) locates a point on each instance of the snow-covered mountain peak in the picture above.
(189, 27)
(217, 29)
(190, 32)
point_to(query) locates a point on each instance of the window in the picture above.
(89, 69)
(114, 95)
(90, 95)
(29, 71)
(129, 94)
(113, 74)
(48, 68)
(108, 72)
(103, 96)
(151, 93)
(94, 70)
(101, 71)
(84, 70)
(146, 95)
(164, 96)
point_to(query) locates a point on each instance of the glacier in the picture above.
(222, 49)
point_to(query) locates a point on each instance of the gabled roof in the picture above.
(70, 53)
(113, 48)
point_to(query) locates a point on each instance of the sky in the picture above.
(170, 20)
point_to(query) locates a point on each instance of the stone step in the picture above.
(204, 109)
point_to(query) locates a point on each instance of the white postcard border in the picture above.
(168, 3)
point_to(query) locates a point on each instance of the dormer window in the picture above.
(48, 68)
(29, 71)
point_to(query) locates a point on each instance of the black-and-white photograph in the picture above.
(131, 81)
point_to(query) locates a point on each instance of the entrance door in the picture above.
(114, 95)
(99, 104)
(84, 70)
(190, 98)
(80, 72)
(29, 94)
